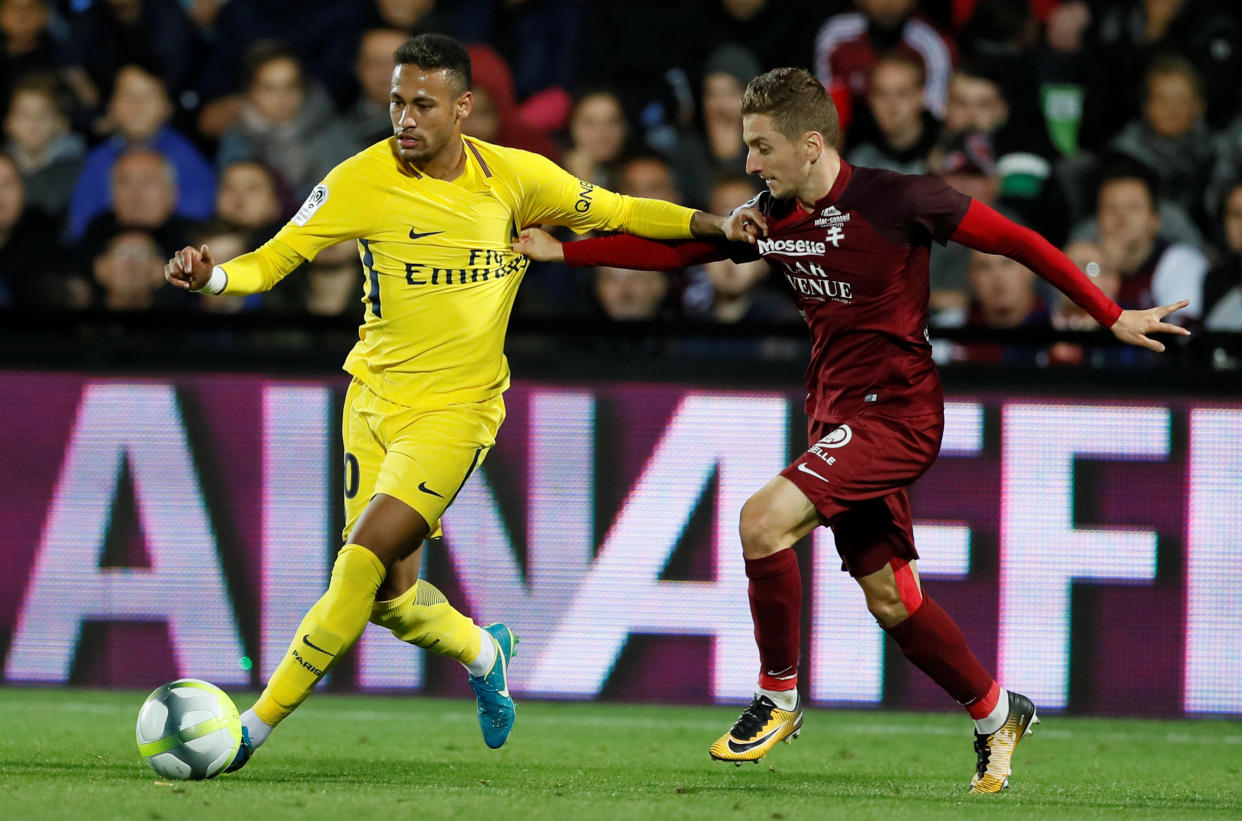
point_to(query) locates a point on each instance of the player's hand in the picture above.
(1132, 327)
(745, 225)
(190, 268)
(539, 245)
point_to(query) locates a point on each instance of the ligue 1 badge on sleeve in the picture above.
(317, 198)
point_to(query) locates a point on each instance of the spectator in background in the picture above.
(847, 45)
(130, 274)
(230, 242)
(30, 264)
(252, 199)
(1227, 169)
(1002, 296)
(139, 110)
(702, 155)
(144, 197)
(323, 35)
(495, 117)
(49, 155)
(1125, 36)
(598, 133)
(1172, 137)
(333, 285)
(906, 132)
(648, 174)
(107, 35)
(1154, 271)
(1023, 151)
(26, 46)
(1092, 261)
(624, 295)
(1222, 288)
(776, 32)
(367, 119)
(284, 123)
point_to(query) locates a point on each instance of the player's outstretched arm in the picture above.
(1132, 327)
(621, 251)
(190, 269)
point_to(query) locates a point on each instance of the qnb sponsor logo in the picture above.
(792, 247)
(484, 264)
(585, 190)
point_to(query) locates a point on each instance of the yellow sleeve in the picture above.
(550, 194)
(260, 269)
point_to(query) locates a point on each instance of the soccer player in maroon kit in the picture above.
(853, 244)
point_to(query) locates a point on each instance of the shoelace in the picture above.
(984, 752)
(757, 714)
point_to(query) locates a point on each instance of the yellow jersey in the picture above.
(439, 275)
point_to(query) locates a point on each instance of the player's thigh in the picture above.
(364, 452)
(431, 453)
(775, 517)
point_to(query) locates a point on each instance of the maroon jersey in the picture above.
(857, 267)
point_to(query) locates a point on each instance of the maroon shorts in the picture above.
(856, 473)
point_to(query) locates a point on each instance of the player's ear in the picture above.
(813, 145)
(465, 104)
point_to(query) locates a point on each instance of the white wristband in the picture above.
(216, 284)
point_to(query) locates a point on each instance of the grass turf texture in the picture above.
(71, 754)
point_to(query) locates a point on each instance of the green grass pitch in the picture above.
(67, 753)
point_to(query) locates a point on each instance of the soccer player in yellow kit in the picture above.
(434, 214)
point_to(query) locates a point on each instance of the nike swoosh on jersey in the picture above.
(306, 640)
(806, 469)
(423, 487)
(416, 235)
(741, 747)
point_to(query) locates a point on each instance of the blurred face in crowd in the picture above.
(404, 14)
(22, 21)
(896, 99)
(374, 66)
(143, 192)
(332, 280)
(648, 177)
(1233, 219)
(1127, 216)
(1172, 106)
(598, 127)
(1089, 257)
(729, 194)
(130, 271)
(886, 13)
(246, 196)
(276, 91)
(782, 163)
(427, 109)
(744, 9)
(1003, 288)
(731, 280)
(484, 120)
(139, 104)
(34, 122)
(974, 104)
(12, 194)
(722, 99)
(629, 296)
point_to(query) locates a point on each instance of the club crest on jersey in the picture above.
(832, 219)
(313, 202)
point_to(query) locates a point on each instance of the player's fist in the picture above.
(745, 225)
(539, 245)
(190, 268)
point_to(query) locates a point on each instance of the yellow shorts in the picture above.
(421, 456)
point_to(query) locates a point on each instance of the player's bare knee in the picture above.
(886, 607)
(760, 532)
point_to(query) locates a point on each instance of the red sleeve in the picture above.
(625, 251)
(985, 230)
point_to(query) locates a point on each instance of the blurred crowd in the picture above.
(1113, 127)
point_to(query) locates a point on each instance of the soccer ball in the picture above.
(188, 729)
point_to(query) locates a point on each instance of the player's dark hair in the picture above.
(796, 102)
(437, 51)
(1122, 167)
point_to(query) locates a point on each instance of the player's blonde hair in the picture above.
(796, 102)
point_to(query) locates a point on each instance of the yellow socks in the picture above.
(423, 617)
(330, 627)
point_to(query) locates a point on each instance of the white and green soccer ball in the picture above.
(188, 729)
